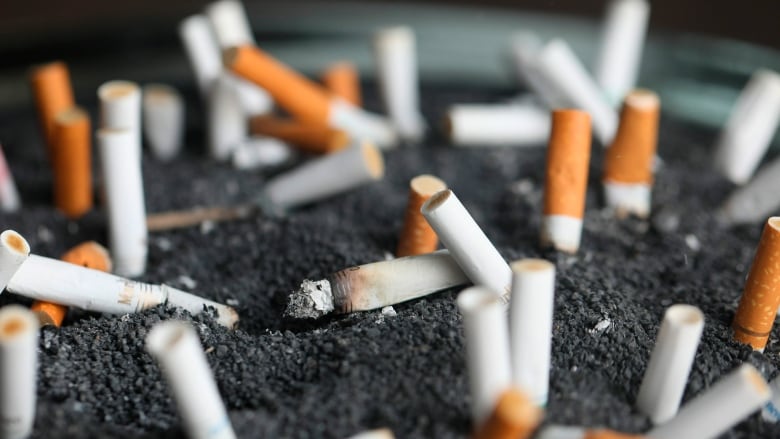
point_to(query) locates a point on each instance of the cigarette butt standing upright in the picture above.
(202, 51)
(227, 121)
(307, 137)
(9, 196)
(120, 109)
(343, 80)
(163, 110)
(566, 180)
(498, 125)
(417, 236)
(72, 163)
(14, 250)
(670, 363)
(18, 371)
(761, 296)
(176, 347)
(515, 416)
(561, 432)
(53, 94)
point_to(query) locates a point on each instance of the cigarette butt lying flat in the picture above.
(9, 195)
(307, 137)
(375, 285)
(157, 222)
(14, 250)
(514, 417)
(163, 123)
(18, 371)
(417, 236)
(382, 433)
(513, 124)
(72, 162)
(53, 94)
(261, 152)
(343, 80)
(561, 432)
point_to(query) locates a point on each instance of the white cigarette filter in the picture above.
(261, 152)
(396, 62)
(467, 243)
(323, 177)
(727, 402)
(18, 371)
(670, 363)
(228, 124)
(750, 127)
(126, 211)
(568, 77)
(9, 195)
(530, 326)
(230, 23)
(14, 250)
(120, 109)
(382, 433)
(177, 349)
(163, 110)
(202, 51)
(755, 201)
(566, 432)
(622, 41)
(517, 124)
(52, 280)
(525, 48)
(487, 349)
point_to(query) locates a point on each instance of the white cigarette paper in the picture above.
(628, 197)
(562, 432)
(755, 201)
(228, 124)
(261, 152)
(467, 243)
(727, 402)
(362, 125)
(525, 49)
(163, 111)
(771, 411)
(120, 109)
(126, 211)
(382, 433)
(530, 326)
(670, 363)
(9, 195)
(18, 371)
(176, 347)
(562, 232)
(518, 124)
(487, 349)
(202, 51)
(14, 250)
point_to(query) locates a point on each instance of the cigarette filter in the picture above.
(417, 236)
(566, 180)
(525, 49)
(530, 326)
(14, 250)
(375, 285)
(566, 74)
(230, 23)
(756, 200)
(513, 124)
(227, 120)
(324, 177)
(261, 152)
(710, 414)
(125, 207)
(18, 371)
(670, 363)
(9, 196)
(628, 163)
(343, 80)
(467, 243)
(382, 433)
(120, 109)
(163, 110)
(53, 93)
(750, 127)
(396, 68)
(761, 296)
(515, 416)
(487, 349)
(620, 53)
(71, 157)
(176, 347)
(307, 137)
(50, 280)
(561, 432)
(202, 51)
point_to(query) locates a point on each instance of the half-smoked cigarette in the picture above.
(711, 413)
(628, 162)
(342, 79)
(467, 243)
(125, 207)
(530, 326)
(72, 162)
(18, 371)
(163, 113)
(51, 280)
(176, 347)
(14, 250)
(178, 219)
(761, 296)
(375, 285)
(670, 363)
(756, 200)
(487, 349)
(566, 180)
(566, 432)
(417, 236)
(307, 137)
(227, 126)
(498, 125)
(515, 416)
(9, 195)
(382, 433)
(202, 51)
(53, 93)
(260, 152)
(120, 109)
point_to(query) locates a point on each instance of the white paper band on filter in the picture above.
(202, 51)
(120, 109)
(18, 371)
(518, 124)
(9, 195)
(561, 231)
(261, 152)
(755, 201)
(228, 124)
(163, 110)
(631, 197)
(14, 250)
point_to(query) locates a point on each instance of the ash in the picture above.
(312, 300)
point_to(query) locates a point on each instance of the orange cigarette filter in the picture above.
(630, 157)
(417, 236)
(88, 254)
(312, 138)
(761, 296)
(568, 155)
(343, 80)
(298, 95)
(53, 93)
(72, 163)
(609, 434)
(515, 417)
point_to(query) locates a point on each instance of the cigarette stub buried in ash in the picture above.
(375, 285)
(228, 124)
(670, 363)
(50, 280)
(71, 157)
(120, 109)
(14, 250)
(163, 112)
(561, 432)
(307, 137)
(417, 236)
(566, 180)
(176, 347)
(515, 416)
(343, 80)
(727, 402)
(53, 94)
(9, 195)
(382, 433)
(18, 371)
(514, 124)
(202, 51)
(628, 163)
(756, 200)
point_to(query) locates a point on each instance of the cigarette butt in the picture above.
(202, 51)
(230, 23)
(307, 137)
(226, 118)
(382, 433)
(525, 48)
(9, 195)
(18, 371)
(513, 124)
(14, 250)
(53, 93)
(158, 222)
(343, 80)
(163, 123)
(120, 109)
(628, 162)
(72, 163)
(761, 297)
(261, 152)
(565, 432)
(566, 179)
(514, 417)
(756, 200)
(417, 236)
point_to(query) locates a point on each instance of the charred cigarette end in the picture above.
(515, 416)
(15, 242)
(312, 300)
(373, 159)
